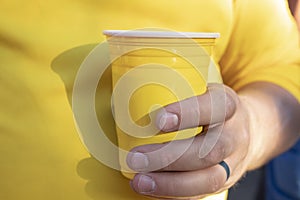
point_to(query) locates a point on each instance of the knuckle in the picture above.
(243, 136)
(217, 154)
(214, 184)
(166, 160)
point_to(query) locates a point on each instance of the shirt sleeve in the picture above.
(264, 46)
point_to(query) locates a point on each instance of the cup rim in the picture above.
(160, 34)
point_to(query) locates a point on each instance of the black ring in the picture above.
(226, 167)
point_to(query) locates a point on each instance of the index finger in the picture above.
(215, 106)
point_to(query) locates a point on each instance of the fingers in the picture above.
(189, 167)
(215, 106)
(180, 184)
(183, 155)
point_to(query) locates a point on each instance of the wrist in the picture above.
(273, 121)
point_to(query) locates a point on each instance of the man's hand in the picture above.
(245, 130)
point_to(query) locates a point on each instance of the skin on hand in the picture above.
(295, 9)
(245, 129)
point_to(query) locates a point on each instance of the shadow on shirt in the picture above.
(102, 181)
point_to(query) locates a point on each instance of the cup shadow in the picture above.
(102, 181)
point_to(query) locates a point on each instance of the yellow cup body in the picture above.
(149, 73)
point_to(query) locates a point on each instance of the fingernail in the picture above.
(139, 161)
(167, 121)
(146, 184)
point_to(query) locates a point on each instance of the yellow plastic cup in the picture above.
(151, 69)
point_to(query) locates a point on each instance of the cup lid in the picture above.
(160, 34)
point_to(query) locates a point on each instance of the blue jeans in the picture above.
(283, 176)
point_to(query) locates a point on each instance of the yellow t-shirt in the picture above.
(42, 156)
